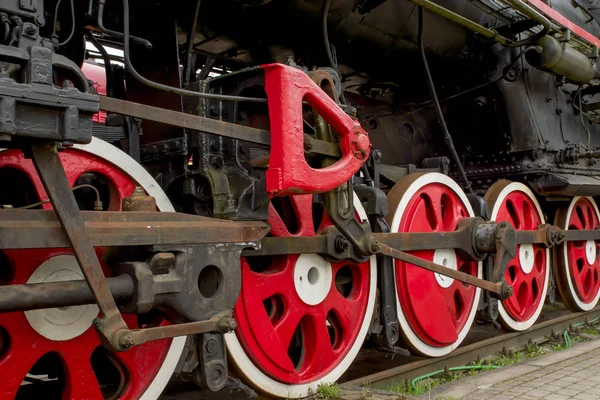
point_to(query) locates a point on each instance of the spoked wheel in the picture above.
(577, 263)
(529, 271)
(56, 353)
(301, 319)
(435, 312)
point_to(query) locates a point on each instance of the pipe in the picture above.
(167, 88)
(491, 33)
(116, 34)
(38, 296)
(190, 39)
(107, 64)
(438, 108)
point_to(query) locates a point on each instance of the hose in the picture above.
(441, 371)
(438, 109)
(566, 336)
(166, 88)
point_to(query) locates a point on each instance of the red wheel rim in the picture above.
(582, 257)
(437, 310)
(289, 340)
(21, 346)
(527, 273)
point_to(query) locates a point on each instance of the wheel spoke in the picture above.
(317, 343)
(287, 326)
(302, 205)
(13, 368)
(347, 311)
(81, 381)
(264, 285)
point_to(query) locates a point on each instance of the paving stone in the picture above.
(538, 393)
(552, 388)
(586, 396)
(555, 396)
(568, 392)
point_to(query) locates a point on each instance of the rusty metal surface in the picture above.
(52, 174)
(58, 294)
(194, 122)
(26, 229)
(499, 288)
(221, 322)
(139, 201)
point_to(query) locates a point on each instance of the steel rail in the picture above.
(471, 352)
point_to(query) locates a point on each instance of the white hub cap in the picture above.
(445, 258)
(526, 257)
(590, 251)
(62, 323)
(312, 278)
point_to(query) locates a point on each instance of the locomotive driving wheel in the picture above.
(577, 263)
(301, 318)
(435, 312)
(56, 353)
(529, 271)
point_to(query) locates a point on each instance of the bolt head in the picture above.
(127, 341)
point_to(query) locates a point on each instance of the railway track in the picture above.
(481, 346)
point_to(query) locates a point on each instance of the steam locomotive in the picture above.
(198, 190)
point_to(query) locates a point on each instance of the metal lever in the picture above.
(52, 174)
(502, 289)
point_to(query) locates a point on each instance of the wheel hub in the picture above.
(312, 278)
(526, 257)
(590, 251)
(446, 258)
(64, 323)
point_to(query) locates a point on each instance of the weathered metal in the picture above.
(221, 322)
(52, 175)
(499, 288)
(139, 201)
(28, 229)
(58, 294)
(194, 122)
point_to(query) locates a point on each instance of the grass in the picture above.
(507, 358)
(328, 391)
(589, 330)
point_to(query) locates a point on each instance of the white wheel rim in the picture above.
(580, 304)
(272, 387)
(527, 262)
(416, 342)
(128, 165)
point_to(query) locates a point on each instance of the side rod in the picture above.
(502, 289)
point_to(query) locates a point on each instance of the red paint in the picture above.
(288, 171)
(518, 209)
(585, 280)
(432, 311)
(265, 338)
(141, 363)
(564, 22)
(97, 75)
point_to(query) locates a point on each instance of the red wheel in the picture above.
(528, 272)
(435, 312)
(577, 264)
(301, 319)
(56, 353)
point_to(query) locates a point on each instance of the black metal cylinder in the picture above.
(58, 294)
